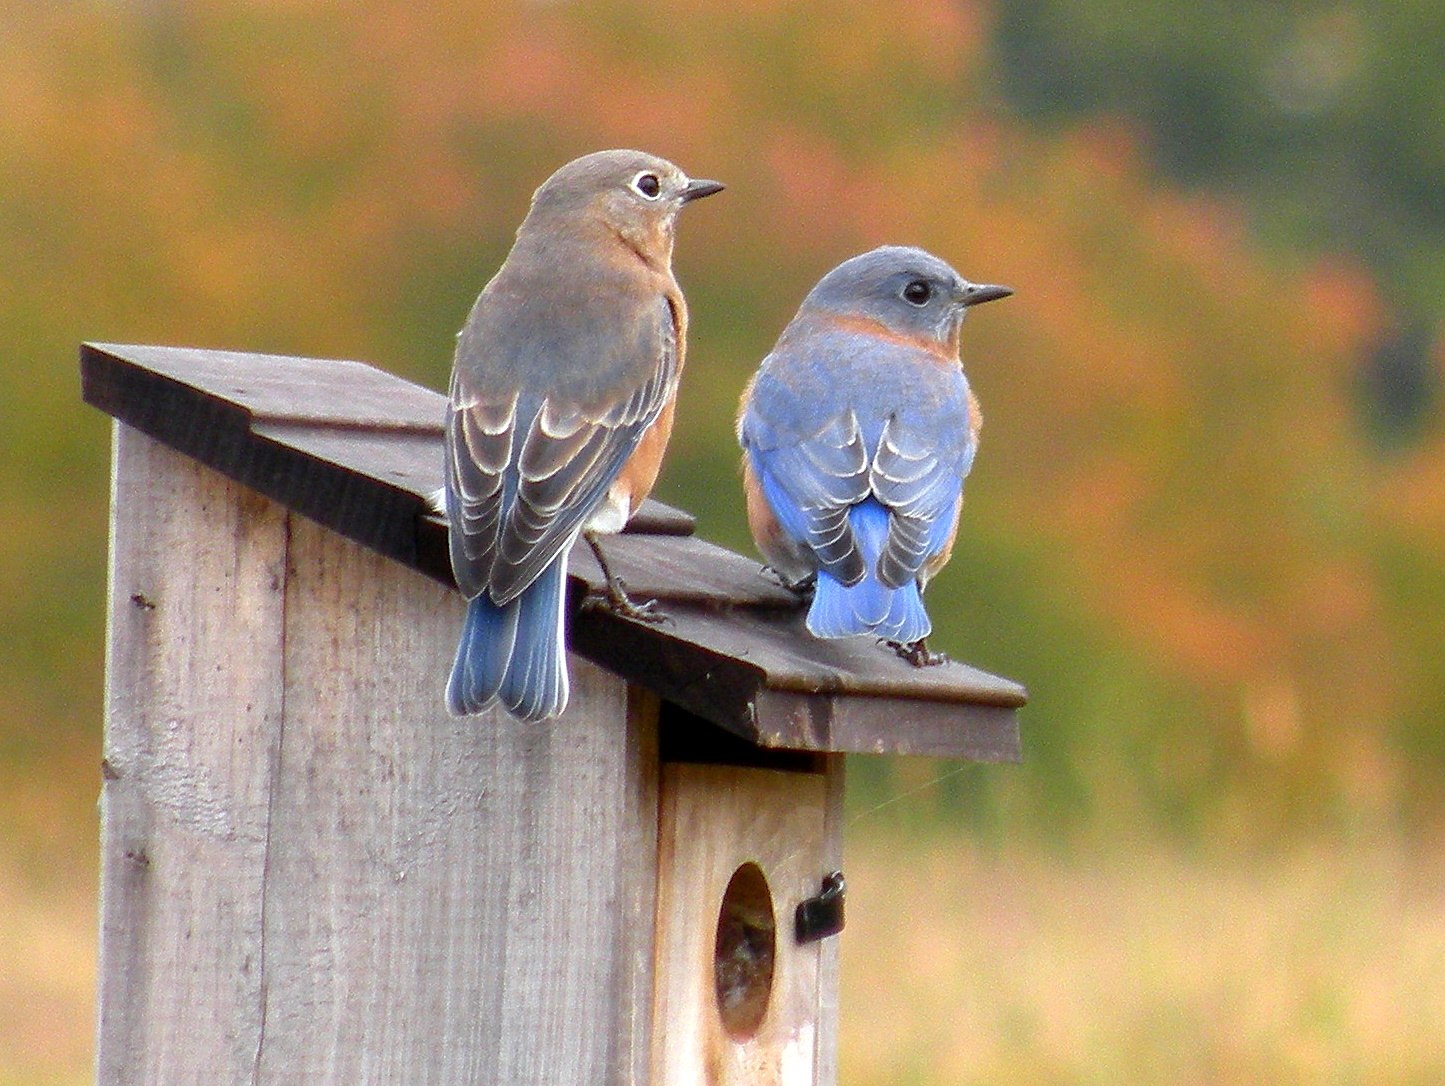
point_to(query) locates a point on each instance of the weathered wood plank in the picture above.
(311, 872)
(447, 901)
(829, 974)
(298, 429)
(715, 819)
(193, 710)
(756, 673)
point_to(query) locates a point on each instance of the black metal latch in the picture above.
(822, 916)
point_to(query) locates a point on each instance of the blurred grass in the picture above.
(1017, 961)
(1142, 963)
(47, 973)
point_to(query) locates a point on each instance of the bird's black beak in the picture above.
(698, 188)
(978, 293)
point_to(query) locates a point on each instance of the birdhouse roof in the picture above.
(359, 450)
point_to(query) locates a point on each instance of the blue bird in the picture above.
(561, 404)
(857, 432)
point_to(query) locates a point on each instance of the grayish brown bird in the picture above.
(561, 404)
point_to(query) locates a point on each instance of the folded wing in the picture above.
(522, 483)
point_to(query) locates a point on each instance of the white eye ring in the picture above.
(647, 185)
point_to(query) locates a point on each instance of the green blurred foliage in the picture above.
(1328, 119)
(1224, 602)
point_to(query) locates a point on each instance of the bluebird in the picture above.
(561, 404)
(857, 432)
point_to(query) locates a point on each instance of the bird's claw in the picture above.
(802, 588)
(619, 602)
(616, 598)
(917, 653)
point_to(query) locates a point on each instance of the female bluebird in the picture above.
(561, 404)
(857, 432)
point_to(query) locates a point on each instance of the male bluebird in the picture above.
(561, 404)
(857, 432)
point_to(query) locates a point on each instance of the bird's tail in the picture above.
(515, 653)
(870, 606)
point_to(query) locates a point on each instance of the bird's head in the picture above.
(910, 292)
(631, 193)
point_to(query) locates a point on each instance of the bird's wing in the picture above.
(524, 483)
(917, 474)
(811, 483)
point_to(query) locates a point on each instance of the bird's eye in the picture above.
(917, 292)
(647, 186)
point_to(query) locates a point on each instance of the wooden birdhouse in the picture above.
(312, 874)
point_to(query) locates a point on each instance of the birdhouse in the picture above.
(312, 873)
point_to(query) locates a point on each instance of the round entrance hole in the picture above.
(744, 951)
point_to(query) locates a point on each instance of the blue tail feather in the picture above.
(870, 606)
(535, 686)
(483, 651)
(515, 653)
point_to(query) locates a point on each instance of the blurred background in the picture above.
(1206, 528)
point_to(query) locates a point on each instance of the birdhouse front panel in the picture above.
(739, 998)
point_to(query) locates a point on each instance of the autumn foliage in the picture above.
(1224, 602)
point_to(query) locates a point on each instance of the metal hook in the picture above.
(822, 916)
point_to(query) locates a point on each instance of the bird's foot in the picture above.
(802, 588)
(917, 653)
(616, 600)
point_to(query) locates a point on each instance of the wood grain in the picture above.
(311, 873)
(713, 820)
(194, 703)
